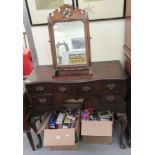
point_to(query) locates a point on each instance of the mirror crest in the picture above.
(66, 12)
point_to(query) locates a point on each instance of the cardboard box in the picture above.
(66, 148)
(97, 139)
(60, 138)
(97, 132)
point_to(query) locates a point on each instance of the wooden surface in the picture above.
(128, 33)
(107, 85)
(104, 90)
(62, 15)
(127, 48)
(128, 8)
(101, 71)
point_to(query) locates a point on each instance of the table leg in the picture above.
(40, 120)
(39, 145)
(29, 136)
(123, 120)
(128, 136)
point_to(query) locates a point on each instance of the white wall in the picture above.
(106, 43)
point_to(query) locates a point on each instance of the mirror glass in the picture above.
(70, 43)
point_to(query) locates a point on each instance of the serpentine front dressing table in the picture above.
(105, 89)
(73, 75)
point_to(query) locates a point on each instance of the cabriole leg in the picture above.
(123, 121)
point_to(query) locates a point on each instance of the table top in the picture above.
(102, 70)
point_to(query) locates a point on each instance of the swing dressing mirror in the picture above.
(70, 41)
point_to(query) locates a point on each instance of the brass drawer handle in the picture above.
(62, 89)
(43, 100)
(86, 88)
(110, 98)
(111, 86)
(40, 88)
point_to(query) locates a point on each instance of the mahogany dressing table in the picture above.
(73, 75)
(105, 90)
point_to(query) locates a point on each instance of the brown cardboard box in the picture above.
(97, 139)
(74, 147)
(97, 132)
(62, 139)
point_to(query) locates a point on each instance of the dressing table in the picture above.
(102, 84)
(105, 89)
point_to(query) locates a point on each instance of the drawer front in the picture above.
(85, 88)
(36, 88)
(111, 98)
(108, 85)
(42, 100)
(49, 88)
(62, 88)
(99, 86)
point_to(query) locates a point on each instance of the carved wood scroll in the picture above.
(66, 13)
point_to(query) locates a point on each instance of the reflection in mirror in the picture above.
(70, 43)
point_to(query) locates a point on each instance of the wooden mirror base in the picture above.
(81, 71)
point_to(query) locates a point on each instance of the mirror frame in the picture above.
(66, 13)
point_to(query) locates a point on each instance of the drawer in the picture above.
(62, 88)
(42, 100)
(36, 88)
(85, 88)
(49, 88)
(111, 98)
(108, 85)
